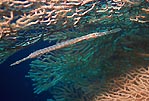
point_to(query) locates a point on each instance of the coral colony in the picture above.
(98, 49)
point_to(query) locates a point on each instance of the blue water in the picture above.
(14, 85)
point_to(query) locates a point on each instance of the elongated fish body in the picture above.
(65, 44)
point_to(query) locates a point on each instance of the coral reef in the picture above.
(82, 68)
(92, 62)
(44, 18)
(75, 58)
(84, 64)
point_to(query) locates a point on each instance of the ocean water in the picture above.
(14, 86)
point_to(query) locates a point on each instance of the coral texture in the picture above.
(90, 63)
(70, 92)
(131, 86)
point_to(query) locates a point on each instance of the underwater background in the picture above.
(89, 50)
(14, 86)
